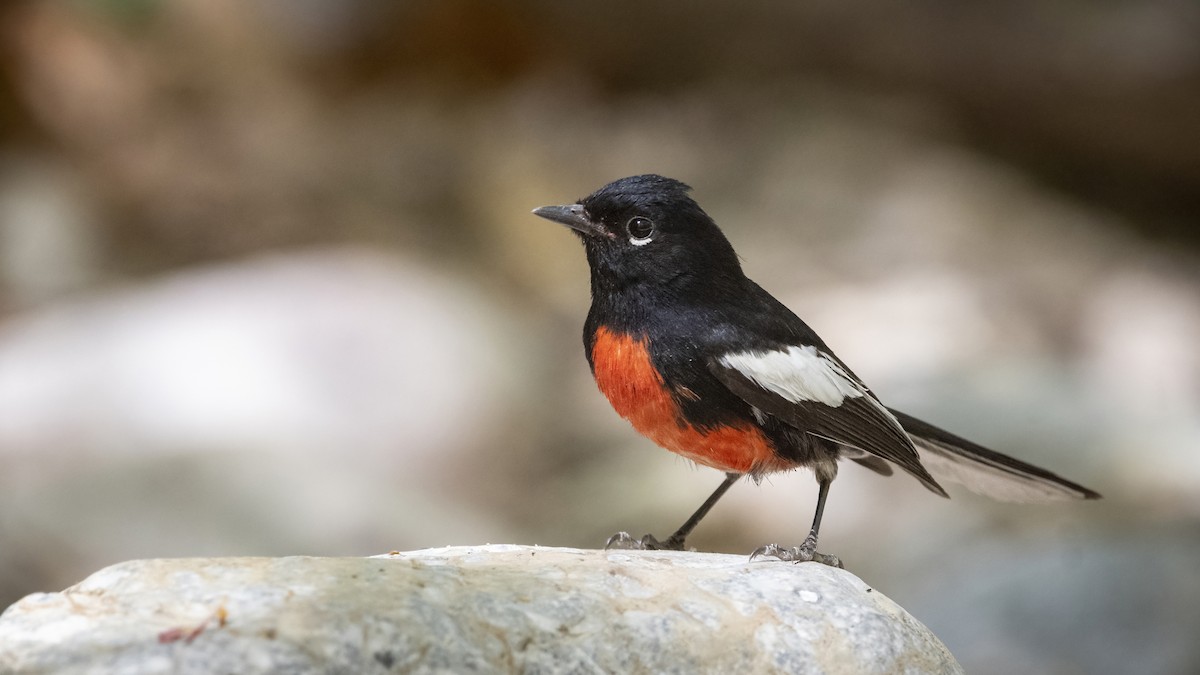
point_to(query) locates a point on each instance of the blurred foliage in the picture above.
(1099, 99)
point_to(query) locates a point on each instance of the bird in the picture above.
(707, 364)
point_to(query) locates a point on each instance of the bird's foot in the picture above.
(806, 552)
(623, 540)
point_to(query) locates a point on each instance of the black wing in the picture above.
(810, 390)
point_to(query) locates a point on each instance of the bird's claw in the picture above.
(806, 552)
(624, 541)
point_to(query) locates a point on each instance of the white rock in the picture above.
(458, 609)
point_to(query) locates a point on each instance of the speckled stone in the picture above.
(458, 609)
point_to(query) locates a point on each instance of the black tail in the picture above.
(986, 472)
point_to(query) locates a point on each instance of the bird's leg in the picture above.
(675, 541)
(808, 550)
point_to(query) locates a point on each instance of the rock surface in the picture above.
(458, 609)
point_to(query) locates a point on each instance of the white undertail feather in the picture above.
(998, 482)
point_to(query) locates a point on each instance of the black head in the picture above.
(646, 230)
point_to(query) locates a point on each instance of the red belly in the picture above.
(627, 378)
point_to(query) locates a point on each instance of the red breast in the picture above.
(636, 390)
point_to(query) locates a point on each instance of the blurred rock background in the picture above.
(269, 284)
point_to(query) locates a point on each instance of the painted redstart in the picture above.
(705, 363)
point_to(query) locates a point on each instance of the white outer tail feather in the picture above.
(1000, 483)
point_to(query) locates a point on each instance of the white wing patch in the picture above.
(798, 374)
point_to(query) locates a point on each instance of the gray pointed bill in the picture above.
(573, 216)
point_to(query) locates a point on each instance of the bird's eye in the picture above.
(641, 230)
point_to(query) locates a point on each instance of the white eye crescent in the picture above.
(641, 230)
